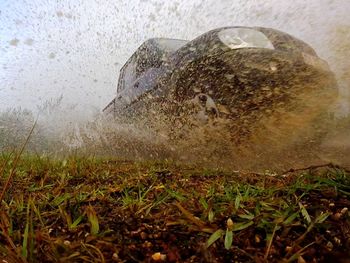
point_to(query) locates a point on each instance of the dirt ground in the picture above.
(105, 210)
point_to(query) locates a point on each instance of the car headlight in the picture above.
(236, 38)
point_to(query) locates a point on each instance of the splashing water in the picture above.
(76, 50)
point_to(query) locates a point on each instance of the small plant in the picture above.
(230, 228)
(93, 220)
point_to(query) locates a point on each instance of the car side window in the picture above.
(148, 56)
(139, 71)
(127, 74)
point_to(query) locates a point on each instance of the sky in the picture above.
(75, 49)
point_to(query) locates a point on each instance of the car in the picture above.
(243, 75)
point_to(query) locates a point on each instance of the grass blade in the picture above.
(93, 220)
(322, 217)
(305, 213)
(215, 236)
(26, 234)
(13, 170)
(241, 226)
(238, 200)
(290, 219)
(228, 239)
(76, 222)
(189, 216)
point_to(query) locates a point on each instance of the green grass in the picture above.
(104, 210)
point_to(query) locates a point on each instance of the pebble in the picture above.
(257, 239)
(66, 242)
(329, 245)
(344, 211)
(143, 235)
(337, 241)
(158, 256)
(147, 244)
(288, 248)
(115, 256)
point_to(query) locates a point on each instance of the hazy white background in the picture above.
(76, 48)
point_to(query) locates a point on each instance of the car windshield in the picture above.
(169, 45)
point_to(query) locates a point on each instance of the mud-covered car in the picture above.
(242, 74)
